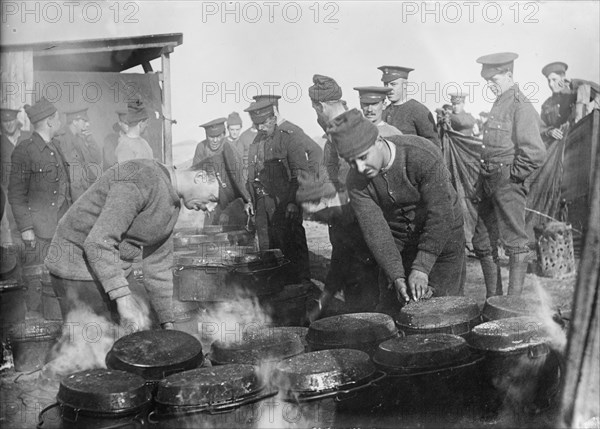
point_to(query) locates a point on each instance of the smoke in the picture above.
(546, 313)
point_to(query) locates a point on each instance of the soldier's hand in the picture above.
(555, 133)
(28, 237)
(249, 209)
(418, 282)
(401, 290)
(291, 211)
(132, 313)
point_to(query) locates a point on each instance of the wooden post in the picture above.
(166, 100)
(580, 396)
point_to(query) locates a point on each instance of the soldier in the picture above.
(38, 189)
(570, 101)
(10, 131)
(112, 140)
(129, 212)
(409, 116)
(81, 152)
(353, 268)
(407, 209)
(512, 149)
(275, 159)
(371, 103)
(234, 127)
(215, 138)
(132, 145)
(461, 121)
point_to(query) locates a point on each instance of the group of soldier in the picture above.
(395, 220)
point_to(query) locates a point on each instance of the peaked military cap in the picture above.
(80, 113)
(372, 94)
(215, 128)
(40, 110)
(493, 64)
(555, 67)
(270, 97)
(391, 73)
(136, 112)
(458, 97)
(8, 114)
(261, 110)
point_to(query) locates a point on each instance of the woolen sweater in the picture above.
(132, 206)
(412, 203)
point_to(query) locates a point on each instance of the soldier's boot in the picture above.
(492, 276)
(517, 269)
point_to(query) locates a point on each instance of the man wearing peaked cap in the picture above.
(372, 103)
(407, 208)
(461, 121)
(571, 100)
(132, 145)
(42, 196)
(511, 151)
(81, 152)
(408, 116)
(215, 138)
(111, 141)
(275, 159)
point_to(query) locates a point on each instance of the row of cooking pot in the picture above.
(410, 362)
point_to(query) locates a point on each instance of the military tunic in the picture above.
(273, 166)
(512, 149)
(204, 151)
(412, 117)
(84, 159)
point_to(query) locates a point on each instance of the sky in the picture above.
(233, 50)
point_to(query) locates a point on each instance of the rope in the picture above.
(551, 218)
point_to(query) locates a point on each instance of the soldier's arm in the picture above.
(530, 152)
(425, 125)
(234, 168)
(296, 160)
(157, 263)
(18, 188)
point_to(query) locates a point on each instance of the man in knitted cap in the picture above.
(407, 209)
(571, 100)
(80, 151)
(512, 150)
(38, 189)
(408, 115)
(275, 159)
(215, 139)
(353, 268)
(132, 145)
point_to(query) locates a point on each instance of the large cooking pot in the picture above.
(274, 331)
(455, 315)
(12, 304)
(155, 354)
(100, 398)
(520, 370)
(505, 306)
(343, 375)
(257, 348)
(198, 278)
(288, 307)
(223, 396)
(426, 369)
(32, 342)
(361, 331)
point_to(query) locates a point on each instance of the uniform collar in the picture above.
(392, 148)
(39, 141)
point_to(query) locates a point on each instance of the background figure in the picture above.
(10, 131)
(111, 141)
(213, 144)
(461, 121)
(132, 145)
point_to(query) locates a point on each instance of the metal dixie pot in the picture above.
(519, 369)
(101, 398)
(222, 396)
(505, 306)
(361, 331)
(345, 376)
(155, 354)
(446, 314)
(32, 342)
(257, 348)
(429, 369)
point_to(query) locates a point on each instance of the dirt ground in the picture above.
(22, 396)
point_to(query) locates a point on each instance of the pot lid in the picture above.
(258, 347)
(354, 328)
(104, 391)
(323, 370)
(438, 312)
(510, 334)
(505, 306)
(209, 386)
(182, 240)
(155, 354)
(421, 352)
